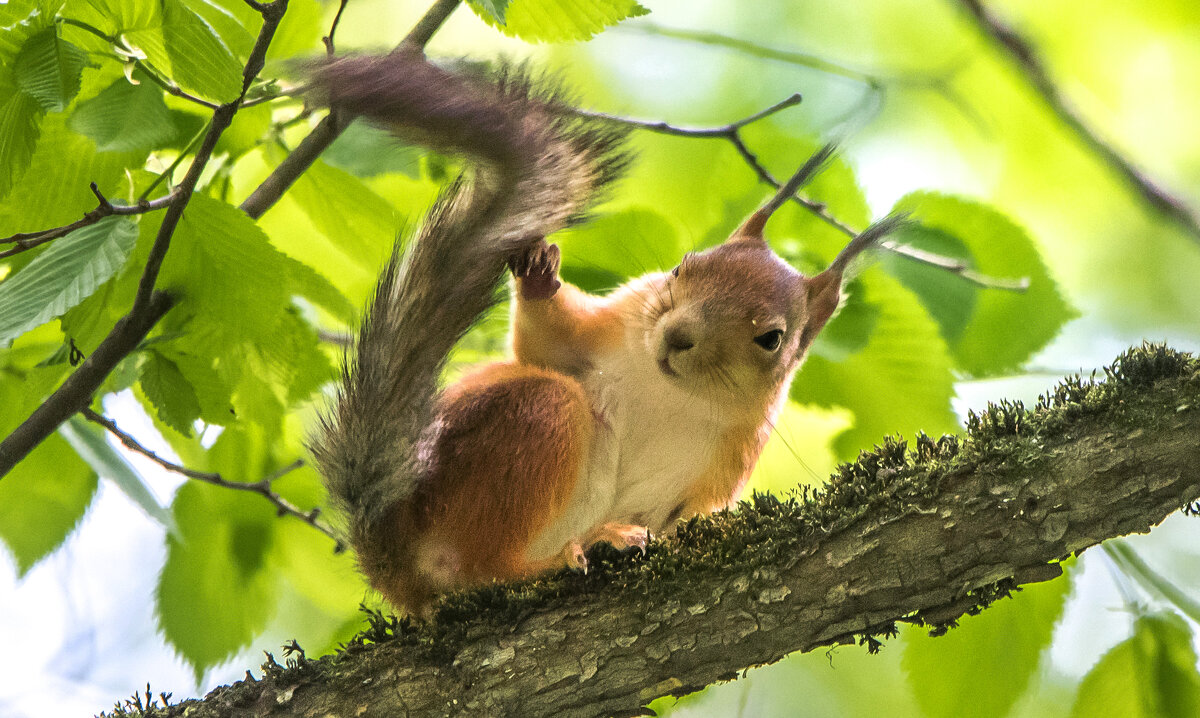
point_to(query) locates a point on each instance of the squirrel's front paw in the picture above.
(536, 270)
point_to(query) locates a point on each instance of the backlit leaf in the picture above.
(124, 117)
(557, 20)
(64, 274)
(48, 69)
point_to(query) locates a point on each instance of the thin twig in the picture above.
(337, 18)
(330, 128)
(29, 240)
(732, 134)
(261, 487)
(1027, 60)
(149, 305)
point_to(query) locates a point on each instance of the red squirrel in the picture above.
(617, 415)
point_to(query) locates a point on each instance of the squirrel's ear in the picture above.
(823, 294)
(752, 229)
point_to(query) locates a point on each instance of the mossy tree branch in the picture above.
(920, 536)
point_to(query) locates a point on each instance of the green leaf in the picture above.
(1005, 327)
(494, 8)
(42, 500)
(168, 390)
(366, 151)
(19, 116)
(949, 298)
(213, 595)
(985, 664)
(48, 69)
(605, 252)
(343, 208)
(557, 20)
(1152, 674)
(186, 49)
(64, 274)
(89, 443)
(900, 381)
(125, 117)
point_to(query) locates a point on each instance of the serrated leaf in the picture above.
(212, 391)
(125, 117)
(900, 381)
(559, 20)
(63, 275)
(89, 443)
(1152, 674)
(985, 664)
(605, 252)
(168, 390)
(218, 555)
(366, 151)
(495, 9)
(344, 208)
(42, 500)
(949, 298)
(314, 287)
(187, 50)
(19, 115)
(54, 190)
(1006, 328)
(48, 69)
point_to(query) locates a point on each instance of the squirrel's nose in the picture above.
(678, 340)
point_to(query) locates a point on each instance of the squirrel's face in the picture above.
(733, 321)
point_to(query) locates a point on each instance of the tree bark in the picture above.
(921, 536)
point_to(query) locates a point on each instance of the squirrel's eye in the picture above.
(770, 340)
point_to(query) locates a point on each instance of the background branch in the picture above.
(149, 305)
(1023, 54)
(261, 487)
(104, 208)
(920, 537)
(732, 133)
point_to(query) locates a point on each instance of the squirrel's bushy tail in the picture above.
(538, 168)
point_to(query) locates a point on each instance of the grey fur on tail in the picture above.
(538, 168)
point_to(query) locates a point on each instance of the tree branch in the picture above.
(922, 536)
(1023, 54)
(262, 487)
(149, 305)
(28, 240)
(331, 126)
(732, 133)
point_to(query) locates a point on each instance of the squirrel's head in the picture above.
(736, 320)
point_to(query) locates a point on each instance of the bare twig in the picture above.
(104, 208)
(732, 133)
(149, 305)
(328, 39)
(262, 487)
(1027, 60)
(328, 129)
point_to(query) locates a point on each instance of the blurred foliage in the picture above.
(932, 122)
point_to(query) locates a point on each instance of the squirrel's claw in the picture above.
(536, 270)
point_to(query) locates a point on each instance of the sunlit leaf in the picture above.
(42, 500)
(48, 69)
(186, 49)
(899, 382)
(213, 595)
(557, 20)
(494, 8)
(64, 274)
(170, 393)
(982, 667)
(125, 117)
(19, 115)
(1005, 327)
(1152, 674)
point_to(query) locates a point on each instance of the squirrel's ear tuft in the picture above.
(752, 228)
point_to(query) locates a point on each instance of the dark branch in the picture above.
(732, 134)
(149, 305)
(328, 129)
(261, 487)
(29, 240)
(920, 537)
(1027, 60)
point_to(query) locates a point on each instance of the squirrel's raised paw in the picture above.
(536, 270)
